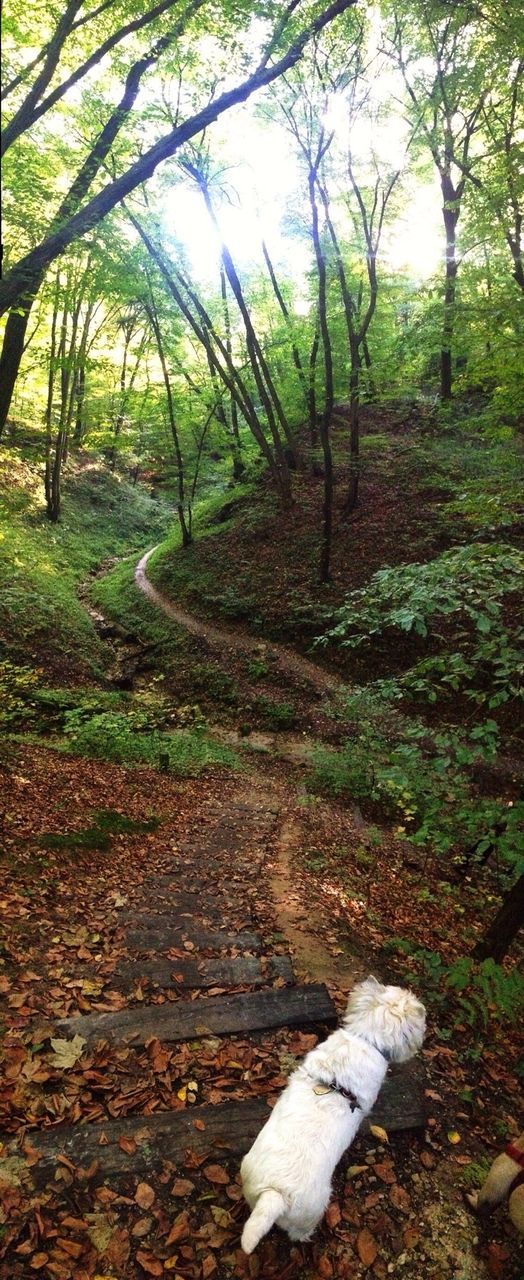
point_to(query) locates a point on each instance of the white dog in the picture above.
(286, 1176)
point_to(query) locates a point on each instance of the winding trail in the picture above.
(220, 638)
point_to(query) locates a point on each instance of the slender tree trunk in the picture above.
(226, 371)
(312, 394)
(504, 928)
(297, 361)
(236, 444)
(354, 428)
(325, 421)
(372, 389)
(185, 531)
(50, 393)
(450, 214)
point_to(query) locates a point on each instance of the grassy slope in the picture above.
(42, 622)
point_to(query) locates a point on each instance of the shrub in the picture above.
(277, 715)
(469, 582)
(17, 691)
(464, 991)
(465, 590)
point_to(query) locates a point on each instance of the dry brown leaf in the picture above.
(71, 1247)
(427, 1160)
(180, 1228)
(128, 1145)
(400, 1199)
(182, 1187)
(367, 1247)
(217, 1174)
(144, 1195)
(149, 1264)
(333, 1214)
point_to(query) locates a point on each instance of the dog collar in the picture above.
(333, 1087)
(515, 1154)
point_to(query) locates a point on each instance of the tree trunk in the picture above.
(325, 421)
(450, 214)
(155, 325)
(504, 928)
(354, 429)
(12, 352)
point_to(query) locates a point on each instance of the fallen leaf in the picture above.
(454, 1137)
(144, 1195)
(400, 1199)
(67, 1052)
(366, 1247)
(333, 1214)
(128, 1145)
(427, 1160)
(216, 1173)
(378, 1132)
(71, 1247)
(141, 1228)
(149, 1264)
(182, 1187)
(38, 1261)
(208, 1266)
(221, 1216)
(180, 1229)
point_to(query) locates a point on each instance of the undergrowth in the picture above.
(42, 621)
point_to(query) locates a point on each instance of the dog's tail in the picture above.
(268, 1208)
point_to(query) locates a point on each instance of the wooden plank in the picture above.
(166, 934)
(226, 972)
(221, 1015)
(230, 1128)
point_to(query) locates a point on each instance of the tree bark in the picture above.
(155, 325)
(325, 421)
(504, 928)
(450, 215)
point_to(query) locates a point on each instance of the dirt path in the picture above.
(225, 638)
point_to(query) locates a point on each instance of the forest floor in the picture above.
(397, 1207)
(87, 846)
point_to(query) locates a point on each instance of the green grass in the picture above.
(118, 597)
(42, 622)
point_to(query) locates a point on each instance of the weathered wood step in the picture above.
(193, 973)
(166, 934)
(221, 1015)
(230, 1127)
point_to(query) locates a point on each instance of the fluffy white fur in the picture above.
(286, 1176)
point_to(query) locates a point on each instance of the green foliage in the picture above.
(464, 991)
(128, 739)
(470, 582)
(17, 689)
(277, 715)
(208, 678)
(463, 592)
(423, 783)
